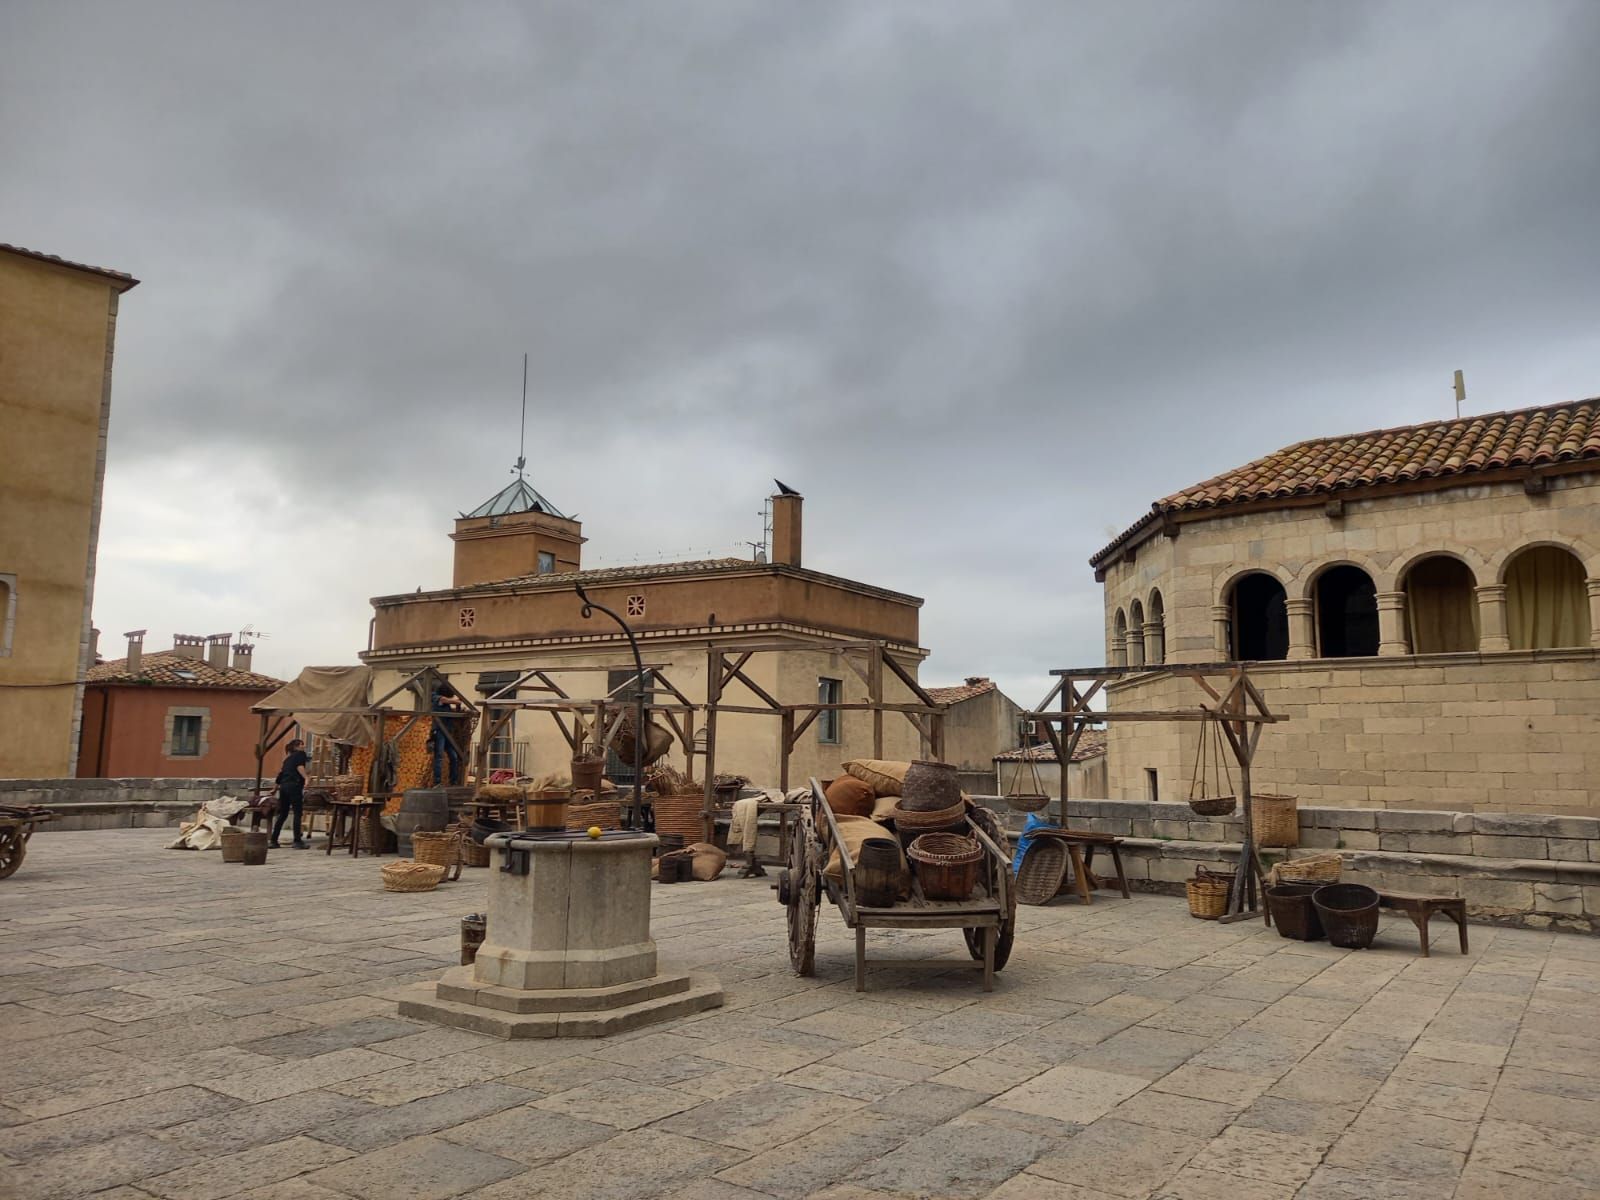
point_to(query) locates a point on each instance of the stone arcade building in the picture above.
(1422, 602)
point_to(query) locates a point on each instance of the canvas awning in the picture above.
(327, 688)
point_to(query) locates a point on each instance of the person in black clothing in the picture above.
(291, 792)
(446, 711)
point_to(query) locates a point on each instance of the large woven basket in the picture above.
(606, 814)
(1276, 820)
(437, 849)
(1314, 868)
(232, 845)
(409, 876)
(946, 865)
(912, 823)
(680, 815)
(1208, 896)
(1044, 870)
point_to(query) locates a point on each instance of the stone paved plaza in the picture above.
(178, 1028)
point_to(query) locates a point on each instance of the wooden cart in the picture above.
(16, 827)
(988, 918)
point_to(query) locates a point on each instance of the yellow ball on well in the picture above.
(594, 831)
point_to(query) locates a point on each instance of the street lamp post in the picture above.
(589, 607)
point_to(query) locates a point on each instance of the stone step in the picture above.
(702, 992)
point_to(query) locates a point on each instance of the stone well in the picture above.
(567, 951)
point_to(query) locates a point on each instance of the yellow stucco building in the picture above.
(58, 323)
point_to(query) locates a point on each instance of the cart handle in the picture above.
(1002, 863)
(847, 865)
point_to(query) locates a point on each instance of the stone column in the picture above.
(1492, 618)
(1302, 637)
(1119, 650)
(1392, 624)
(1154, 651)
(1594, 611)
(1135, 647)
(1219, 632)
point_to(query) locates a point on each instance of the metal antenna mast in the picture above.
(522, 429)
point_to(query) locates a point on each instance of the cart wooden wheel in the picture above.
(803, 886)
(1007, 934)
(12, 848)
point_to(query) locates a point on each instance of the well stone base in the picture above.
(460, 1001)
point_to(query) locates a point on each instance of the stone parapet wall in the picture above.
(119, 803)
(1539, 871)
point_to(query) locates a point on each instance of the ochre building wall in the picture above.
(124, 729)
(56, 334)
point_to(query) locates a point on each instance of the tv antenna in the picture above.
(522, 428)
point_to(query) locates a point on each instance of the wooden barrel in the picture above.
(422, 810)
(253, 853)
(878, 873)
(547, 815)
(930, 787)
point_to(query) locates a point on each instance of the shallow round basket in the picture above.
(912, 823)
(946, 864)
(232, 845)
(1318, 868)
(1044, 869)
(1214, 806)
(1027, 802)
(409, 876)
(1208, 897)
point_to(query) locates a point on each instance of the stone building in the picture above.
(980, 721)
(182, 713)
(512, 607)
(1015, 771)
(1423, 603)
(58, 323)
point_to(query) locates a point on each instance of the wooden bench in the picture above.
(1421, 909)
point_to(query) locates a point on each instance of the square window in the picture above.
(468, 618)
(829, 691)
(185, 737)
(547, 563)
(636, 606)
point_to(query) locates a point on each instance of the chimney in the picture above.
(786, 526)
(135, 649)
(217, 650)
(94, 645)
(241, 655)
(186, 645)
(975, 680)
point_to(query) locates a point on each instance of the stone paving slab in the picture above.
(182, 1029)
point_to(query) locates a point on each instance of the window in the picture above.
(1258, 619)
(1157, 618)
(1347, 613)
(1547, 603)
(1441, 606)
(547, 563)
(502, 752)
(1119, 640)
(185, 737)
(8, 612)
(1151, 786)
(829, 691)
(1136, 634)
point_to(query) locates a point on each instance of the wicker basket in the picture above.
(1214, 806)
(946, 865)
(1027, 802)
(1276, 820)
(408, 876)
(1207, 895)
(437, 849)
(1044, 870)
(348, 787)
(912, 823)
(232, 845)
(680, 815)
(1314, 868)
(605, 814)
(473, 854)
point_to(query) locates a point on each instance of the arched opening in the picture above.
(1156, 616)
(1441, 606)
(1547, 604)
(1258, 619)
(1347, 613)
(1136, 634)
(1119, 640)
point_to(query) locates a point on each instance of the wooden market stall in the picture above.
(1238, 711)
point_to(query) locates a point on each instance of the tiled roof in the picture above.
(127, 281)
(641, 571)
(1445, 451)
(975, 685)
(162, 667)
(1091, 745)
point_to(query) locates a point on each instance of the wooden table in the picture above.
(355, 823)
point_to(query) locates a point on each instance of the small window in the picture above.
(547, 563)
(8, 612)
(185, 737)
(1152, 786)
(829, 691)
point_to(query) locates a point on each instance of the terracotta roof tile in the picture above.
(1438, 450)
(127, 281)
(162, 667)
(1091, 745)
(640, 571)
(975, 685)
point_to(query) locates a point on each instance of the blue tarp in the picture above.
(1038, 820)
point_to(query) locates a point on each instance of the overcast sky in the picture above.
(981, 279)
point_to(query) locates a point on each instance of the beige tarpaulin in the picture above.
(326, 687)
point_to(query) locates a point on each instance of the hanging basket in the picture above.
(1214, 806)
(1033, 798)
(1028, 802)
(1275, 820)
(1211, 791)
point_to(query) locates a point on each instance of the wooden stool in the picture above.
(1421, 909)
(352, 822)
(1081, 848)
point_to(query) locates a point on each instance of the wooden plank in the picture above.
(1177, 714)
